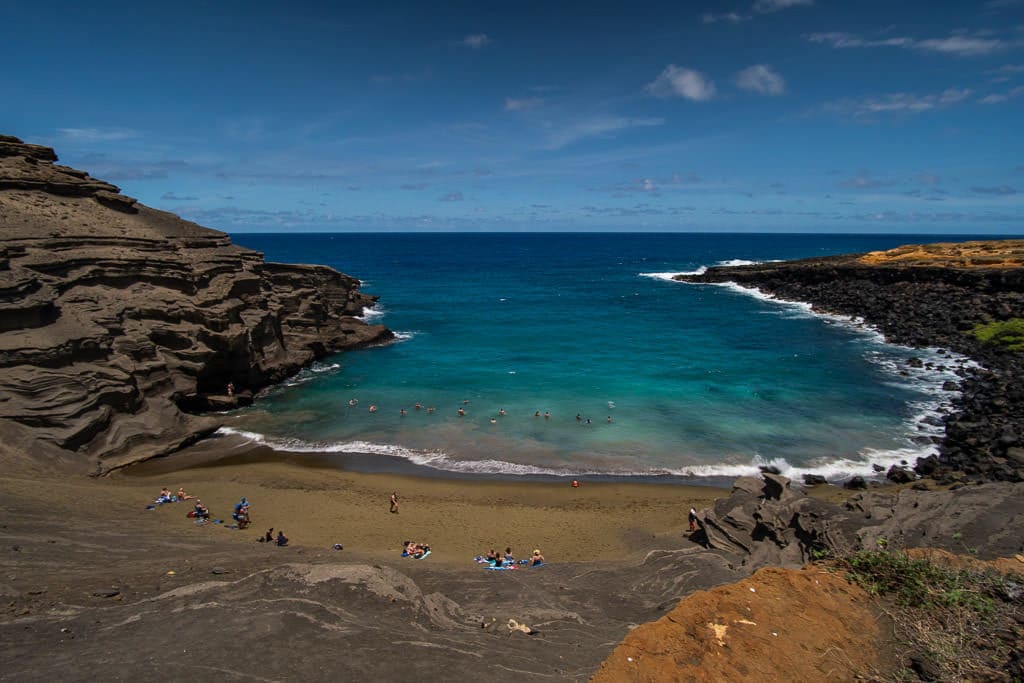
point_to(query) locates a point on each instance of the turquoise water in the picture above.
(697, 380)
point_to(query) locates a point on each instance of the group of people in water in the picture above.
(461, 411)
(496, 560)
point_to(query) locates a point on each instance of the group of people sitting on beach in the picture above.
(496, 560)
(201, 514)
(416, 551)
(268, 537)
(167, 497)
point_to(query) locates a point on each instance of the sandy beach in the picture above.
(318, 506)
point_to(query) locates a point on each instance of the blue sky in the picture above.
(759, 115)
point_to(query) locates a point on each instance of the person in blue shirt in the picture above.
(241, 513)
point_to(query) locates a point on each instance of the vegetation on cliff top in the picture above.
(1006, 333)
(951, 622)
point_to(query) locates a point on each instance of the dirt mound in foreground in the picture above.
(780, 624)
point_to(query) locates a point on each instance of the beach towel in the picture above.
(497, 568)
(421, 557)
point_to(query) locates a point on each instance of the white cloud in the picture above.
(993, 99)
(731, 17)
(905, 103)
(677, 81)
(761, 79)
(962, 46)
(839, 39)
(97, 134)
(959, 45)
(476, 41)
(759, 7)
(596, 127)
(522, 104)
(999, 98)
(766, 6)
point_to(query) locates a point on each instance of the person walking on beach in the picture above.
(394, 502)
(693, 519)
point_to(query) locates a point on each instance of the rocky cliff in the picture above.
(928, 296)
(120, 324)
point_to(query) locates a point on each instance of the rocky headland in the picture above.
(121, 326)
(928, 296)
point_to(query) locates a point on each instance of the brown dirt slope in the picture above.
(780, 624)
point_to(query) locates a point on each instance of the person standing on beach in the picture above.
(394, 502)
(693, 519)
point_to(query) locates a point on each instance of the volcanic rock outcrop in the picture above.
(121, 324)
(928, 296)
(765, 523)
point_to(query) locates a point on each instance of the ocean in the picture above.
(575, 355)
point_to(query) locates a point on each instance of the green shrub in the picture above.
(1007, 333)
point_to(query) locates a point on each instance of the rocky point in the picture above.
(120, 325)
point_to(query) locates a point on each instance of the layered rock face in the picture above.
(928, 296)
(119, 323)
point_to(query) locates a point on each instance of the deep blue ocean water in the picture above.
(697, 380)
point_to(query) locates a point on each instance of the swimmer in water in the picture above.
(494, 420)
(547, 415)
(352, 401)
(537, 414)
(578, 418)
(501, 411)
(418, 405)
(430, 410)
(609, 419)
(402, 412)
(373, 408)
(462, 412)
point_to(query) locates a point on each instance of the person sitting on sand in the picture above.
(282, 540)
(241, 513)
(201, 511)
(182, 495)
(536, 559)
(508, 556)
(165, 496)
(492, 556)
(269, 536)
(414, 549)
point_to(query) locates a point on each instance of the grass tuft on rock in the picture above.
(1006, 333)
(951, 623)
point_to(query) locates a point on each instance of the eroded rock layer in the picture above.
(121, 324)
